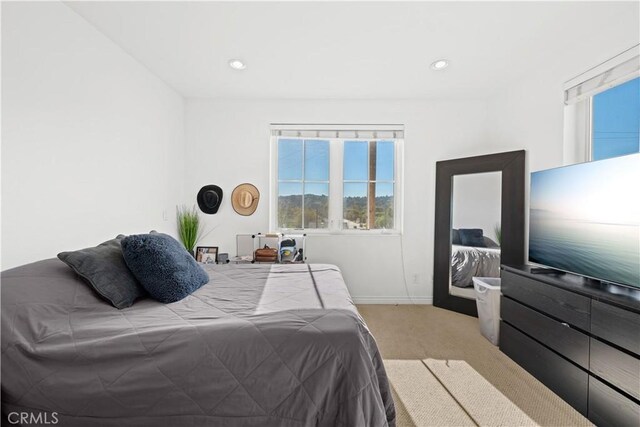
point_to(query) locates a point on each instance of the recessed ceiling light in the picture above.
(440, 64)
(237, 64)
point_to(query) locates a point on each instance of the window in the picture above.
(602, 113)
(616, 121)
(303, 183)
(336, 180)
(369, 182)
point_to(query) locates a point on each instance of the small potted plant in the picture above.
(189, 227)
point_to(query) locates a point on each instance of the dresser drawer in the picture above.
(564, 305)
(563, 377)
(571, 343)
(608, 408)
(618, 326)
(618, 368)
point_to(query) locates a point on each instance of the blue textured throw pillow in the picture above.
(163, 267)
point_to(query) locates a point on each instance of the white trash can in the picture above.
(488, 303)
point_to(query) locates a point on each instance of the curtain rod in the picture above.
(336, 124)
(337, 127)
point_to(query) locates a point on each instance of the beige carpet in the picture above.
(444, 373)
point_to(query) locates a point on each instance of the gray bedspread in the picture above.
(468, 262)
(259, 345)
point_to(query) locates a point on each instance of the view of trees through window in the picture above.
(367, 189)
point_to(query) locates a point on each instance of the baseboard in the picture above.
(393, 300)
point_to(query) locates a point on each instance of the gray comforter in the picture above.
(259, 345)
(468, 262)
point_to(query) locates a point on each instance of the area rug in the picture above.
(449, 393)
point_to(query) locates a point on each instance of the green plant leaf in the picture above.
(189, 224)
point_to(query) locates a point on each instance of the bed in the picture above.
(259, 345)
(469, 261)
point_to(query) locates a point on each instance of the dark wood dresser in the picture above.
(579, 337)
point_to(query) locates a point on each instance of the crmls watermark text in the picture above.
(37, 418)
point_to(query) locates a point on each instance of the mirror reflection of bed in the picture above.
(475, 233)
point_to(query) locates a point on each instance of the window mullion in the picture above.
(336, 186)
(304, 157)
(371, 184)
(398, 184)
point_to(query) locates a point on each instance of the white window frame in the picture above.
(336, 188)
(579, 110)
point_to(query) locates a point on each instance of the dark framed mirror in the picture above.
(479, 224)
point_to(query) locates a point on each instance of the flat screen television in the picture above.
(585, 219)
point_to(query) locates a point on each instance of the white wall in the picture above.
(531, 114)
(228, 143)
(92, 142)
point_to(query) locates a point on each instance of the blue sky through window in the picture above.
(290, 159)
(290, 166)
(291, 152)
(356, 167)
(316, 160)
(384, 161)
(616, 121)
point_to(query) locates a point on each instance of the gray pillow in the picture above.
(163, 266)
(104, 268)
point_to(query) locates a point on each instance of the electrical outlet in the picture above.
(165, 215)
(416, 278)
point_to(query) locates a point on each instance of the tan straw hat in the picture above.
(244, 199)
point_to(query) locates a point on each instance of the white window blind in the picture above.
(367, 132)
(617, 70)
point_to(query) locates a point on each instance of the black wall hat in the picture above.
(209, 198)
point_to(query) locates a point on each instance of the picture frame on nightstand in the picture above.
(207, 254)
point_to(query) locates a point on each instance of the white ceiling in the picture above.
(362, 49)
